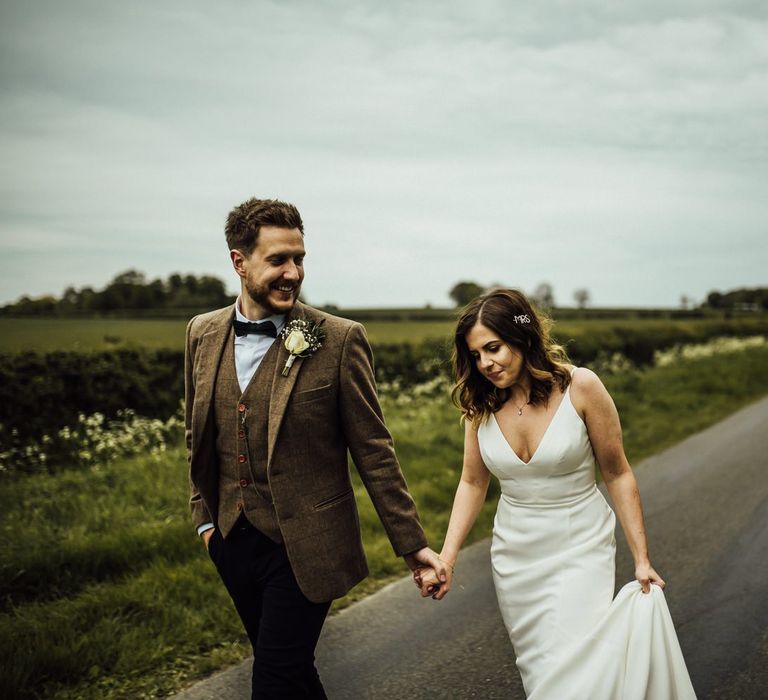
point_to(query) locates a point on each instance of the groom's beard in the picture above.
(260, 295)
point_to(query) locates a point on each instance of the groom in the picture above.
(267, 443)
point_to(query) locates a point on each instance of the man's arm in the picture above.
(370, 445)
(200, 515)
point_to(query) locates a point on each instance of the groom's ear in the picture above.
(238, 261)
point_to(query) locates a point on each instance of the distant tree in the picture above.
(581, 296)
(544, 295)
(129, 278)
(87, 299)
(212, 288)
(685, 302)
(715, 300)
(175, 282)
(128, 290)
(190, 283)
(464, 292)
(39, 306)
(70, 300)
(751, 299)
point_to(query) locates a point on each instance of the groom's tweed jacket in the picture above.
(325, 406)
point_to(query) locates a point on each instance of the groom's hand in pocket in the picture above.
(207, 537)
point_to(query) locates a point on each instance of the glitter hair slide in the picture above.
(524, 318)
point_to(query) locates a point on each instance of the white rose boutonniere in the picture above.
(302, 338)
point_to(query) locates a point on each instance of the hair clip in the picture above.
(524, 318)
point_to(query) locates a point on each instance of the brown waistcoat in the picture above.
(241, 420)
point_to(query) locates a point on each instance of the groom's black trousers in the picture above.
(282, 624)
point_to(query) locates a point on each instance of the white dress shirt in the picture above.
(250, 349)
(249, 352)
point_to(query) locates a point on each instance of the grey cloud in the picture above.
(480, 137)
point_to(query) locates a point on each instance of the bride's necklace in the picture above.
(521, 406)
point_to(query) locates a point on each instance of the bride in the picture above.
(541, 426)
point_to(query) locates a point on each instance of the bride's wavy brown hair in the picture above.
(511, 316)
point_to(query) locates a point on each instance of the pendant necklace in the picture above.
(521, 406)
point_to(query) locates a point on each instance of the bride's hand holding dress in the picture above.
(596, 408)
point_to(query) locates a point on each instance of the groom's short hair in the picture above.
(245, 221)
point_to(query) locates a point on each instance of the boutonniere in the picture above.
(302, 338)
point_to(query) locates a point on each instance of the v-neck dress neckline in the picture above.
(566, 396)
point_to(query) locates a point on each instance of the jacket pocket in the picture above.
(333, 499)
(312, 394)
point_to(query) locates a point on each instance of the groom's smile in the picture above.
(272, 274)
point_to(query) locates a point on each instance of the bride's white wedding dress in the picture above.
(553, 567)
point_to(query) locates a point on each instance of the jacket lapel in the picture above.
(282, 386)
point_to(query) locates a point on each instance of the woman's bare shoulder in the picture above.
(586, 386)
(584, 378)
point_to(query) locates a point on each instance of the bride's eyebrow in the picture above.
(484, 346)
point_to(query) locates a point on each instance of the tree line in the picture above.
(543, 296)
(755, 299)
(131, 291)
(128, 291)
(745, 299)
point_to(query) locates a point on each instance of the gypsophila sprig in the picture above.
(302, 338)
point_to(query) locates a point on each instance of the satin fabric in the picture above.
(553, 561)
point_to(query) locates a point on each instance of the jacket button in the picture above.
(241, 459)
(241, 434)
(243, 482)
(241, 407)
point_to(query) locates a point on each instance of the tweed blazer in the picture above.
(324, 409)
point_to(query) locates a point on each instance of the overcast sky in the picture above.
(620, 147)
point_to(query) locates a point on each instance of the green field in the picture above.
(44, 335)
(107, 592)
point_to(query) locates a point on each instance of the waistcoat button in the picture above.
(243, 482)
(241, 459)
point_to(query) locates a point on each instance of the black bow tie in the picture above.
(244, 328)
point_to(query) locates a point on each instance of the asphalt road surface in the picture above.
(706, 507)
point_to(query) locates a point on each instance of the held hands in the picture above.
(425, 564)
(646, 575)
(429, 585)
(428, 580)
(426, 558)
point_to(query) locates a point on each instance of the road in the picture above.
(706, 507)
